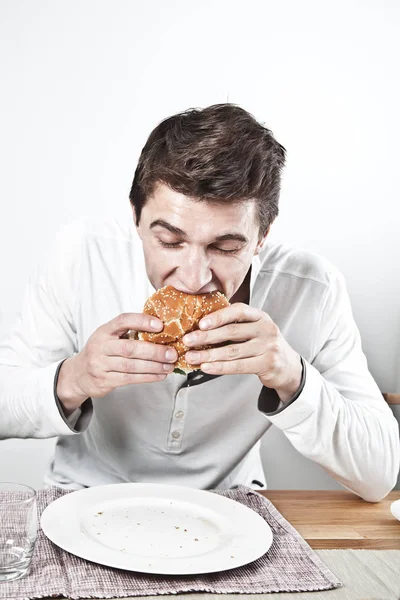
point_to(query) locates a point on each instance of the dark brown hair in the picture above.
(216, 154)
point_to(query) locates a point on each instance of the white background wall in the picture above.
(83, 82)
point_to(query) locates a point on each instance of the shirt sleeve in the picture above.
(340, 420)
(43, 335)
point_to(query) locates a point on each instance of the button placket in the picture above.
(177, 425)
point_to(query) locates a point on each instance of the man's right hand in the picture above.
(107, 361)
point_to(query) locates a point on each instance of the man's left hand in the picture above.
(256, 346)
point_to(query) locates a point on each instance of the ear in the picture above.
(261, 241)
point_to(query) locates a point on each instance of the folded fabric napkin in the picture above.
(290, 565)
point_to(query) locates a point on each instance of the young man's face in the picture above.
(197, 247)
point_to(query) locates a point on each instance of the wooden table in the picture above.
(339, 519)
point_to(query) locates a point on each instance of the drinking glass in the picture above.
(18, 529)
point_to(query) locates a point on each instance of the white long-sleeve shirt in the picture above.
(205, 434)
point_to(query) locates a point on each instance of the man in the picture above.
(204, 196)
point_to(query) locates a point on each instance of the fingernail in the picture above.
(206, 367)
(155, 324)
(167, 367)
(205, 323)
(170, 354)
(189, 339)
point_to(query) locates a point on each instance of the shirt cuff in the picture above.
(80, 418)
(269, 402)
(307, 404)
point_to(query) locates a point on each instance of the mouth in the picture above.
(206, 290)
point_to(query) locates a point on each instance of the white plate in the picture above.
(154, 528)
(395, 509)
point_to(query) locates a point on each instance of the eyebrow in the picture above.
(177, 231)
(166, 225)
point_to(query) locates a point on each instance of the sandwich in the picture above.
(181, 314)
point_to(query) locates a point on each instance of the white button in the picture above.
(179, 414)
(176, 435)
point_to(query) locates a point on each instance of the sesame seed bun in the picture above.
(180, 314)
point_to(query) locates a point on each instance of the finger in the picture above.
(235, 367)
(141, 350)
(235, 312)
(120, 379)
(130, 365)
(136, 321)
(225, 353)
(233, 332)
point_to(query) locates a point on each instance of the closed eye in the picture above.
(170, 245)
(215, 248)
(233, 251)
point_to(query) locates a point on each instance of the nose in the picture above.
(195, 272)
